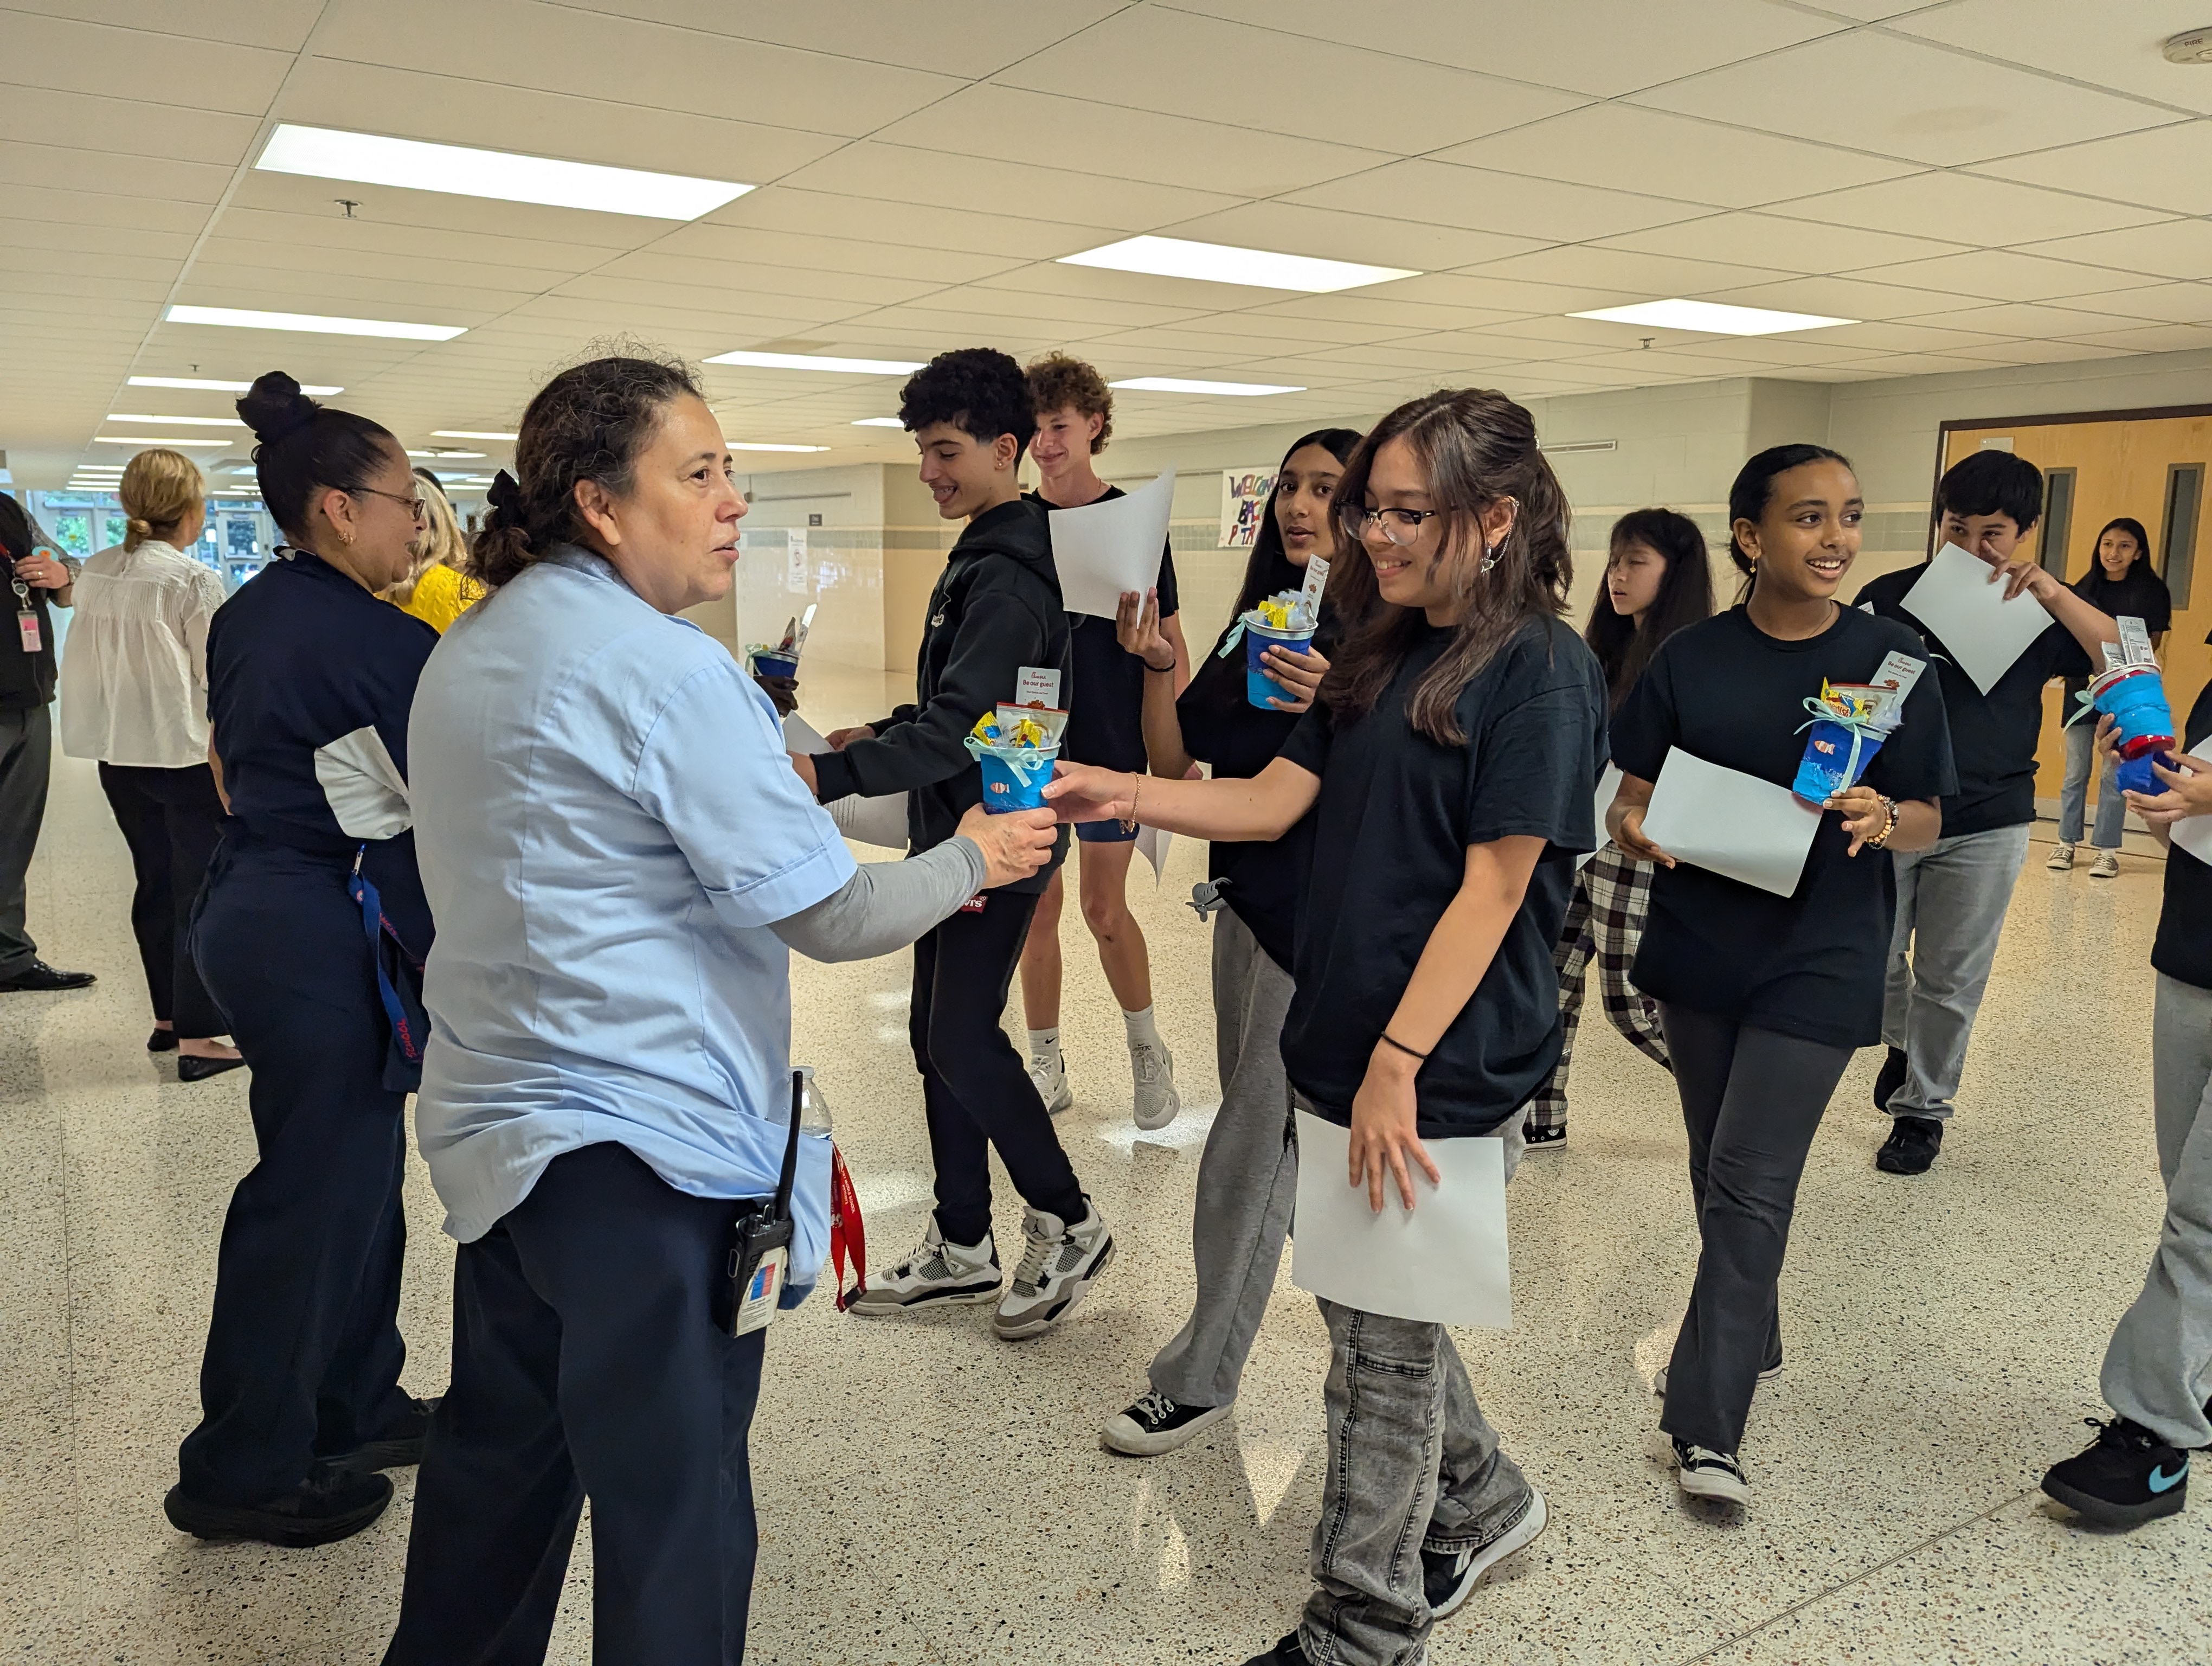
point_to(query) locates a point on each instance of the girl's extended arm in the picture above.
(1453, 961)
(1265, 807)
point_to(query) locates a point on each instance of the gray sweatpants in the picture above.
(1247, 1178)
(2159, 1367)
(1951, 902)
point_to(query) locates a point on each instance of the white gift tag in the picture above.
(2135, 642)
(1035, 685)
(1310, 592)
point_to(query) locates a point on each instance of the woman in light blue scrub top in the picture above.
(618, 855)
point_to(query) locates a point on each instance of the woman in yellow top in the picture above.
(435, 592)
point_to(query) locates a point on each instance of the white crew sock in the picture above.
(1045, 1043)
(1141, 1030)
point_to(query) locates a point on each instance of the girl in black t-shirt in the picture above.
(1657, 580)
(1248, 1178)
(2120, 580)
(1763, 997)
(1450, 766)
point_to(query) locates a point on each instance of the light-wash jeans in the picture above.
(2074, 792)
(2159, 1367)
(1412, 1465)
(1951, 902)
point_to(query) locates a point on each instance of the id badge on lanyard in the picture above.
(27, 619)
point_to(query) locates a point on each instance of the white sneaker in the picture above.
(2106, 866)
(1704, 1473)
(1157, 1102)
(937, 1274)
(1056, 1270)
(1048, 1075)
(2062, 858)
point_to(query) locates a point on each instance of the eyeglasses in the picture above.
(1399, 527)
(415, 506)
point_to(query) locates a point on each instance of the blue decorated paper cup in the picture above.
(1014, 777)
(1828, 766)
(1259, 637)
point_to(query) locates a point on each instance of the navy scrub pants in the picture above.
(586, 1361)
(303, 1352)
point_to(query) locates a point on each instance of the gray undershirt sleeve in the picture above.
(886, 905)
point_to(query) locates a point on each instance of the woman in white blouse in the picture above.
(134, 696)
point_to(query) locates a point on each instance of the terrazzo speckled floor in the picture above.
(931, 1495)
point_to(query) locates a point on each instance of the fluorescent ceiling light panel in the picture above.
(817, 362)
(153, 440)
(220, 388)
(371, 159)
(878, 421)
(447, 456)
(740, 445)
(314, 323)
(195, 422)
(469, 434)
(1184, 385)
(1223, 263)
(1711, 317)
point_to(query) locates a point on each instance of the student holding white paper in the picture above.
(1952, 897)
(1764, 997)
(1105, 702)
(1657, 581)
(1450, 765)
(1247, 1176)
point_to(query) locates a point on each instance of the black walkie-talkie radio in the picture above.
(760, 1242)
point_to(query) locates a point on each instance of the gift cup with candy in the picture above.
(1285, 621)
(1849, 724)
(1016, 757)
(2134, 697)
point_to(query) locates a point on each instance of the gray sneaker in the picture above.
(1055, 1273)
(2106, 866)
(937, 1274)
(2062, 858)
(1157, 1101)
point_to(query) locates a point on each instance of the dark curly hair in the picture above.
(1058, 382)
(1623, 646)
(305, 447)
(979, 389)
(589, 423)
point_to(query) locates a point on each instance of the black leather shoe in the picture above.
(38, 975)
(329, 1504)
(1890, 1078)
(1912, 1146)
(161, 1041)
(189, 1069)
(399, 1447)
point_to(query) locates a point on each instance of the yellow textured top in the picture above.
(441, 596)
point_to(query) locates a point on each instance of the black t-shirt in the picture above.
(1993, 735)
(2141, 595)
(1262, 881)
(1809, 964)
(2184, 948)
(1106, 707)
(1394, 818)
(27, 680)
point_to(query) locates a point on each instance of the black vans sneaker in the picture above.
(329, 1504)
(1704, 1473)
(1912, 1146)
(2127, 1477)
(1448, 1577)
(1157, 1423)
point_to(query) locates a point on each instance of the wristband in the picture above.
(1393, 1042)
(1158, 671)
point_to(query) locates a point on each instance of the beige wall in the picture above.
(842, 568)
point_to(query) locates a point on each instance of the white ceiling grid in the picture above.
(1981, 182)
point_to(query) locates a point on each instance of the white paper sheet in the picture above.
(1444, 1262)
(1957, 599)
(1103, 549)
(1608, 785)
(1733, 824)
(2194, 833)
(878, 821)
(1153, 843)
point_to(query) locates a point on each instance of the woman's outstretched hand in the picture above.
(1085, 793)
(1384, 1136)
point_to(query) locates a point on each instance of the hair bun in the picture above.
(274, 407)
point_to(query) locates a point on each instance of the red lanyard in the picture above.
(848, 1233)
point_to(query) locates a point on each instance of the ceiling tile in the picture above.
(41, 115)
(2027, 320)
(1901, 98)
(1964, 208)
(2003, 275)
(1772, 242)
(1005, 232)
(1832, 297)
(1379, 314)
(2173, 248)
(1601, 47)
(707, 243)
(1437, 193)
(2153, 338)
(317, 208)
(1637, 274)
(69, 55)
(57, 168)
(2033, 352)
(320, 239)
(2165, 303)
(1344, 234)
(692, 282)
(281, 24)
(2108, 45)
(2167, 167)
(935, 179)
(1625, 148)
(1149, 58)
(965, 37)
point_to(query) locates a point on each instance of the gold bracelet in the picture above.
(1129, 821)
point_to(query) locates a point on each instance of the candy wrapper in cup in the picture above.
(1054, 723)
(1016, 760)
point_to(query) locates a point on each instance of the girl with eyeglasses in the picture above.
(1450, 765)
(309, 936)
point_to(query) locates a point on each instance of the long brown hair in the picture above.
(1474, 447)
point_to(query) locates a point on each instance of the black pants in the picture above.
(172, 821)
(303, 1352)
(27, 748)
(1750, 1101)
(586, 1361)
(974, 1085)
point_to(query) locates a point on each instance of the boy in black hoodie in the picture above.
(996, 610)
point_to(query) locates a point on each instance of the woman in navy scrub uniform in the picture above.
(310, 679)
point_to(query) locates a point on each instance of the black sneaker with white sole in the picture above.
(1704, 1473)
(1912, 1146)
(1449, 1577)
(2127, 1477)
(1157, 1423)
